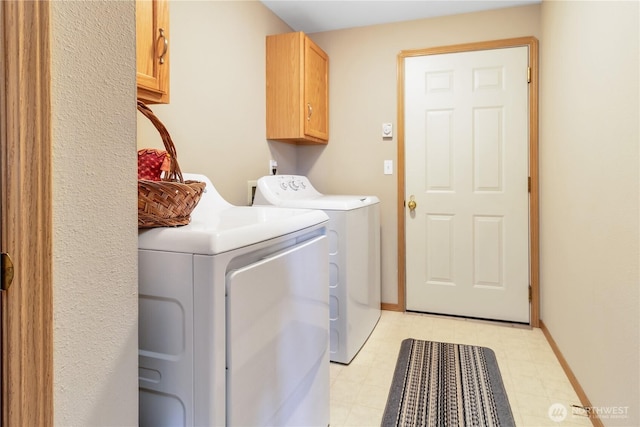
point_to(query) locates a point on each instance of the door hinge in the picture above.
(528, 74)
(529, 293)
(529, 184)
(7, 271)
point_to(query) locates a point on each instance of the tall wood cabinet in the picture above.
(152, 51)
(297, 90)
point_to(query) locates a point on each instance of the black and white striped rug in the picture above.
(447, 385)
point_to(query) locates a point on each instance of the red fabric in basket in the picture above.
(151, 163)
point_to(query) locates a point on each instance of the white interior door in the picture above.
(466, 145)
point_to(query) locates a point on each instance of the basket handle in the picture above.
(174, 173)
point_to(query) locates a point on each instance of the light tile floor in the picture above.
(531, 373)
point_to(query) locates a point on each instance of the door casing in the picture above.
(26, 213)
(532, 44)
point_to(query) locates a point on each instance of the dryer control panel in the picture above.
(288, 187)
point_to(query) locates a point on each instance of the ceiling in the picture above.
(312, 16)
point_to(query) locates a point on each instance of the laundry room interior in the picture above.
(588, 137)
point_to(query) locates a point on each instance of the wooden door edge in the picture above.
(25, 153)
(534, 245)
(401, 187)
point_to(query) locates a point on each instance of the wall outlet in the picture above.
(273, 167)
(251, 191)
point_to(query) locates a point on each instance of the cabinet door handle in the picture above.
(309, 111)
(166, 45)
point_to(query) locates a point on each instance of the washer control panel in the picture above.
(295, 183)
(295, 191)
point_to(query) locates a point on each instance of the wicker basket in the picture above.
(170, 201)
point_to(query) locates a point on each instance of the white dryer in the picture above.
(354, 256)
(233, 325)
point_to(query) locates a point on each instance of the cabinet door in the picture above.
(316, 91)
(152, 44)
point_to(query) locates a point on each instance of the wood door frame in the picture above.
(534, 259)
(26, 212)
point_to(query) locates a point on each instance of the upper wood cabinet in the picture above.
(297, 90)
(152, 51)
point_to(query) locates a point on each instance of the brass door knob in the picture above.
(412, 203)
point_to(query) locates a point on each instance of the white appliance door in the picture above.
(277, 339)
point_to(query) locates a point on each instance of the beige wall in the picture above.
(216, 116)
(363, 96)
(589, 162)
(95, 279)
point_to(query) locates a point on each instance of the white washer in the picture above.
(233, 325)
(354, 256)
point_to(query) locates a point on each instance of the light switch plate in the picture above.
(388, 167)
